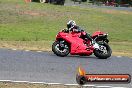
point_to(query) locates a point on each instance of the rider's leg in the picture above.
(88, 37)
(95, 45)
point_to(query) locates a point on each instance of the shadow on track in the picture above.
(77, 57)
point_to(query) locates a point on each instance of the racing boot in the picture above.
(95, 45)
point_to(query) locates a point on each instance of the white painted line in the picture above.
(103, 87)
(5, 80)
(38, 51)
(119, 56)
(53, 83)
(37, 82)
(27, 50)
(14, 81)
(20, 81)
(88, 85)
(119, 87)
(14, 49)
(108, 87)
(71, 84)
(58, 84)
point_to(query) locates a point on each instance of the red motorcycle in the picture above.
(69, 42)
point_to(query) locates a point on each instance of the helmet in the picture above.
(71, 23)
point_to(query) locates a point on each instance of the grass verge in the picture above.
(33, 25)
(28, 85)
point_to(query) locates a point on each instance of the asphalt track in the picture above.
(102, 6)
(32, 66)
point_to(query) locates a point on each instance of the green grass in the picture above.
(20, 21)
(28, 85)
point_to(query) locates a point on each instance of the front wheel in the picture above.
(61, 48)
(103, 52)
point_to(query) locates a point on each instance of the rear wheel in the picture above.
(61, 48)
(103, 52)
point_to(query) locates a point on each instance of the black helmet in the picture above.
(71, 23)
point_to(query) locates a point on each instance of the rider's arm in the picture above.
(65, 30)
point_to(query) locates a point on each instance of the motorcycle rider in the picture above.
(71, 26)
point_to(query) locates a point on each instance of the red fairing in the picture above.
(77, 44)
(97, 33)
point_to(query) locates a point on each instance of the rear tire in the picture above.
(102, 55)
(56, 49)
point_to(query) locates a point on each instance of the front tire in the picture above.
(104, 52)
(60, 51)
